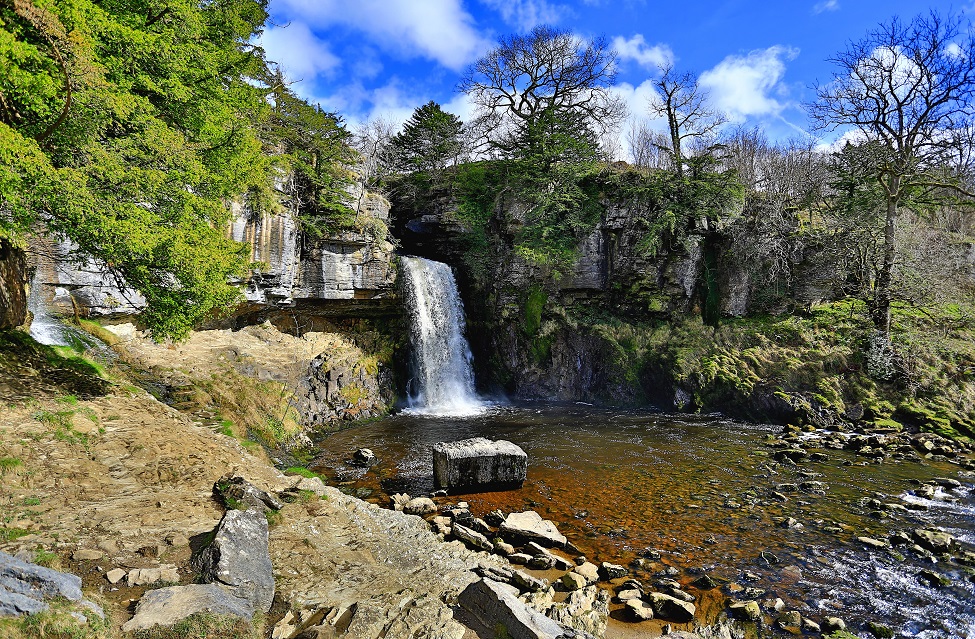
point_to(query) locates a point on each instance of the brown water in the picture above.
(698, 490)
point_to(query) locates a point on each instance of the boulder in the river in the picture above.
(610, 571)
(530, 526)
(365, 458)
(420, 506)
(745, 610)
(479, 463)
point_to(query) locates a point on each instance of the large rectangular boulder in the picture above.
(529, 526)
(497, 605)
(479, 463)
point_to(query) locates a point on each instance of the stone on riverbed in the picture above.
(671, 608)
(529, 525)
(495, 604)
(479, 463)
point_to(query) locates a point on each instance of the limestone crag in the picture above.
(332, 389)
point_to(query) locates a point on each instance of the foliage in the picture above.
(128, 130)
(429, 142)
(315, 153)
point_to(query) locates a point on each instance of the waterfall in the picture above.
(43, 328)
(443, 382)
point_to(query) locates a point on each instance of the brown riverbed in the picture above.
(700, 494)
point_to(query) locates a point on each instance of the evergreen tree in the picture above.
(430, 140)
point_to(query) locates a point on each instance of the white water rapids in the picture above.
(443, 377)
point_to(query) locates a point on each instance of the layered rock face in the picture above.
(349, 274)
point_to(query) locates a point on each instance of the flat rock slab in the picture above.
(479, 463)
(166, 606)
(37, 582)
(238, 557)
(495, 604)
(530, 526)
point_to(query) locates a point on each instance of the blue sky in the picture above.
(382, 58)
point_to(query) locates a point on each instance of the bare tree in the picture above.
(683, 102)
(373, 140)
(905, 87)
(647, 147)
(548, 73)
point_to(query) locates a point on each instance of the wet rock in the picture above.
(364, 458)
(610, 571)
(494, 604)
(494, 518)
(541, 562)
(238, 557)
(671, 608)
(808, 625)
(832, 624)
(479, 463)
(933, 578)
(879, 631)
(790, 621)
(639, 609)
(632, 593)
(572, 581)
(934, 540)
(745, 610)
(530, 526)
(166, 606)
(872, 543)
(420, 506)
(704, 582)
(589, 571)
(472, 538)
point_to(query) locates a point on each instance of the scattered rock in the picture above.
(365, 458)
(166, 606)
(832, 624)
(519, 558)
(238, 557)
(472, 538)
(790, 621)
(872, 543)
(639, 609)
(610, 571)
(420, 506)
(589, 571)
(746, 610)
(479, 463)
(671, 608)
(573, 581)
(86, 554)
(529, 525)
(586, 610)
(237, 493)
(934, 540)
(936, 579)
(115, 575)
(879, 631)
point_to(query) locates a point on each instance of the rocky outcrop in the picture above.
(479, 463)
(13, 280)
(494, 604)
(333, 389)
(238, 558)
(26, 588)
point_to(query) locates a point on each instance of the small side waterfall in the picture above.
(443, 382)
(43, 328)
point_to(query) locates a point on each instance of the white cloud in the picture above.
(437, 29)
(525, 14)
(637, 98)
(826, 5)
(637, 49)
(742, 86)
(300, 53)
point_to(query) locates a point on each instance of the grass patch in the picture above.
(47, 559)
(205, 625)
(301, 471)
(12, 534)
(8, 464)
(57, 623)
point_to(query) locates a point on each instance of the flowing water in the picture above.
(443, 377)
(704, 493)
(43, 327)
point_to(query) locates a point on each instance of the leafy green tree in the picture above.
(127, 127)
(315, 154)
(430, 140)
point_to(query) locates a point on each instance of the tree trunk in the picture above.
(881, 300)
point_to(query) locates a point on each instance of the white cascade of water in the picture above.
(443, 382)
(43, 328)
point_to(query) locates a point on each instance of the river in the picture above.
(703, 494)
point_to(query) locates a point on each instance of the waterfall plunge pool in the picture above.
(700, 491)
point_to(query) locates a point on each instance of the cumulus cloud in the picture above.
(826, 5)
(743, 86)
(299, 52)
(437, 29)
(637, 49)
(525, 14)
